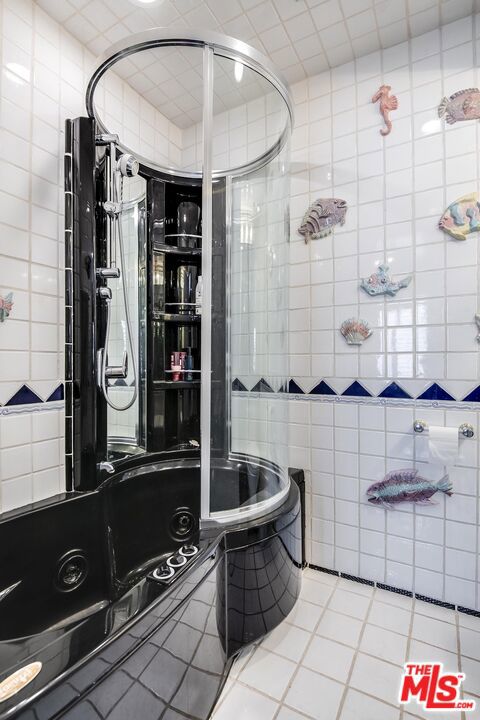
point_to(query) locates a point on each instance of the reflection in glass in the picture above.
(126, 429)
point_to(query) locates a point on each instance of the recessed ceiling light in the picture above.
(144, 2)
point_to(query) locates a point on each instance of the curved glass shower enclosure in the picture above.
(205, 234)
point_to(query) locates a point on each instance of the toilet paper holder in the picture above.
(465, 429)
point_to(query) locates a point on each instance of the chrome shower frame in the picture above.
(221, 45)
(213, 44)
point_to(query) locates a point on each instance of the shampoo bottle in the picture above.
(189, 365)
(198, 296)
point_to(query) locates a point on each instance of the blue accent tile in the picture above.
(474, 396)
(283, 388)
(56, 394)
(24, 396)
(322, 388)
(356, 390)
(238, 386)
(435, 392)
(294, 388)
(262, 386)
(394, 391)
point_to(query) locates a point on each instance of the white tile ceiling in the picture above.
(302, 37)
(171, 80)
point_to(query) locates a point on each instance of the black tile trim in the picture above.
(468, 611)
(398, 591)
(324, 570)
(360, 580)
(432, 601)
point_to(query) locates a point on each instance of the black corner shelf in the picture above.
(174, 250)
(182, 318)
(176, 384)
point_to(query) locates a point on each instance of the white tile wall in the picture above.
(397, 189)
(431, 549)
(44, 73)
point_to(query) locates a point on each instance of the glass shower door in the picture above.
(245, 462)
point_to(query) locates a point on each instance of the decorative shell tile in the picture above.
(355, 331)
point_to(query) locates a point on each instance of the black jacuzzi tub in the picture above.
(77, 595)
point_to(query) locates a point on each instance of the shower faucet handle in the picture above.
(107, 466)
(104, 293)
(113, 209)
(118, 372)
(107, 273)
(106, 139)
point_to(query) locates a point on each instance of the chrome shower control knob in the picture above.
(176, 561)
(188, 550)
(128, 165)
(163, 573)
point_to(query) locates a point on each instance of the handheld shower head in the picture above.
(127, 165)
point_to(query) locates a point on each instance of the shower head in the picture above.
(127, 165)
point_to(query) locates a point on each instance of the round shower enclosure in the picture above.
(187, 362)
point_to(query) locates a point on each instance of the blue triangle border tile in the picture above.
(322, 388)
(435, 392)
(238, 386)
(56, 395)
(24, 396)
(262, 386)
(473, 396)
(356, 389)
(294, 388)
(393, 390)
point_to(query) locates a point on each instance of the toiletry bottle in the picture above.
(189, 365)
(198, 296)
(183, 356)
(176, 367)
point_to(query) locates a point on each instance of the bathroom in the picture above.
(239, 359)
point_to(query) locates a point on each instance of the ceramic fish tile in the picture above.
(406, 486)
(462, 105)
(462, 217)
(381, 283)
(6, 304)
(321, 217)
(477, 320)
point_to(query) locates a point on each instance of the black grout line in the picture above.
(398, 591)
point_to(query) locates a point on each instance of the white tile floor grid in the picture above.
(339, 656)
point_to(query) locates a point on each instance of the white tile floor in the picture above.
(339, 656)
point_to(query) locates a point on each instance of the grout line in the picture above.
(403, 709)
(354, 659)
(459, 658)
(312, 636)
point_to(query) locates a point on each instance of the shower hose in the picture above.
(117, 223)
